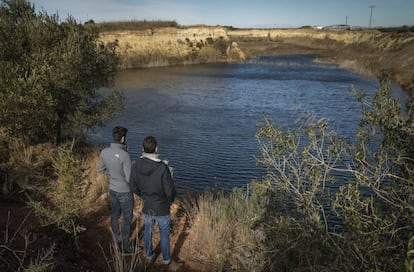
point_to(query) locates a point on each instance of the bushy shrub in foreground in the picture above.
(50, 75)
(65, 195)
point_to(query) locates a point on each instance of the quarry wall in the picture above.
(366, 51)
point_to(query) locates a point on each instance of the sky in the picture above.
(239, 14)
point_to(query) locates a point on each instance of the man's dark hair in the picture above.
(149, 144)
(118, 133)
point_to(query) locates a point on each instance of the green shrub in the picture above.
(380, 225)
(210, 40)
(299, 165)
(67, 195)
(50, 75)
(409, 263)
(25, 167)
(221, 45)
(375, 226)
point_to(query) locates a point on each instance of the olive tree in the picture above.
(374, 206)
(51, 73)
(380, 222)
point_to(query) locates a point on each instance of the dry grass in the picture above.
(98, 182)
(221, 225)
(211, 228)
(20, 257)
(29, 167)
(118, 262)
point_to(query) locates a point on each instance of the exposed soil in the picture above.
(21, 232)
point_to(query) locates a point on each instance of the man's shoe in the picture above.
(128, 250)
(119, 246)
(149, 260)
(173, 265)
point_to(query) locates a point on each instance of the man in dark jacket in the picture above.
(151, 180)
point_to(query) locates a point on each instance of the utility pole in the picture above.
(370, 16)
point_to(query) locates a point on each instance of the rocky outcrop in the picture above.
(369, 51)
(171, 46)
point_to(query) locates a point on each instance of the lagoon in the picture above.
(205, 116)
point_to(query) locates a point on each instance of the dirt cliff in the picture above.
(369, 52)
(171, 46)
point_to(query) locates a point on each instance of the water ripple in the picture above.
(205, 116)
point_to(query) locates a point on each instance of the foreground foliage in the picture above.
(59, 184)
(66, 196)
(50, 74)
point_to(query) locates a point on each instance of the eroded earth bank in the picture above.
(370, 52)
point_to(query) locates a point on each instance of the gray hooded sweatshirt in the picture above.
(115, 162)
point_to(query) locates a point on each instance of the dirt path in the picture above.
(22, 239)
(95, 242)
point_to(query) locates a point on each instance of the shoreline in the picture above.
(350, 57)
(368, 52)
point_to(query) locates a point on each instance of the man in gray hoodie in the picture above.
(115, 162)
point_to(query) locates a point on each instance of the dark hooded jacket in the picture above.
(151, 180)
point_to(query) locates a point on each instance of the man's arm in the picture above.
(127, 168)
(168, 184)
(133, 182)
(101, 166)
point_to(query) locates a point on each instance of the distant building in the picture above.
(337, 27)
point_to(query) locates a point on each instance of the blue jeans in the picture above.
(164, 227)
(121, 203)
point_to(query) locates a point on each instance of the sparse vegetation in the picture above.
(132, 25)
(401, 29)
(15, 259)
(65, 196)
(118, 263)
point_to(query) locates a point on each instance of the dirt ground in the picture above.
(21, 232)
(97, 238)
